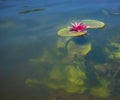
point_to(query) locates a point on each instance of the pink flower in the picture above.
(77, 27)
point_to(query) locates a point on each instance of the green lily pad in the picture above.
(93, 23)
(66, 32)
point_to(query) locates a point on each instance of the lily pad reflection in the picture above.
(78, 46)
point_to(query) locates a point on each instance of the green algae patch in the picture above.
(102, 90)
(68, 78)
(32, 82)
(45, 57)
(113, 51)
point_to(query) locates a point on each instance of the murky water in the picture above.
(37, 64)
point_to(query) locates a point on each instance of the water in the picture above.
(37, 64)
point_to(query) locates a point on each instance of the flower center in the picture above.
(77, 27)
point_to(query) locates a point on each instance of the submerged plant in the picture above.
(68, 78)
(113, 51)
(102, 90)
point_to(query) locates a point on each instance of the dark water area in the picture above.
(37, 64)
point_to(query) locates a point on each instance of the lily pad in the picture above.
(93, 23)
(66, 32)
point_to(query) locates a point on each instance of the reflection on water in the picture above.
(29, 11)
(36, 64)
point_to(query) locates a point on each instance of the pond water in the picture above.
(37, 64)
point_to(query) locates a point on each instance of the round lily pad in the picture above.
(66, 32)
(93, 23)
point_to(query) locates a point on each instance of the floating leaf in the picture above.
(66, 32)
(93, 23)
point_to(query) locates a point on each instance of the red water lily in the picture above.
(77, 27)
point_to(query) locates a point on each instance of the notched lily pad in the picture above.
(66, 32)
(93, 23)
